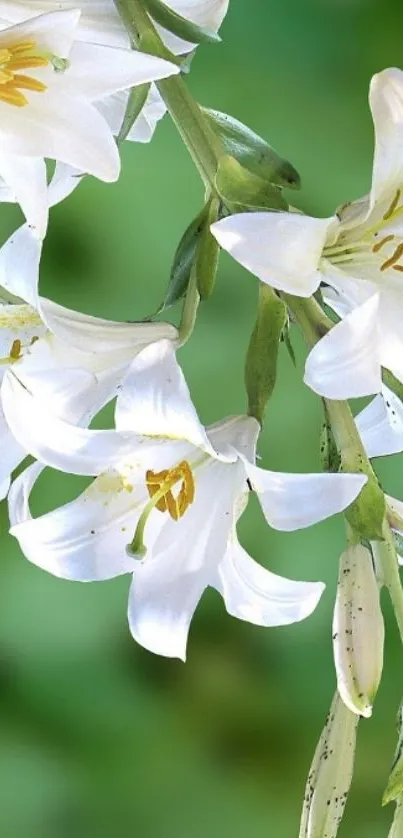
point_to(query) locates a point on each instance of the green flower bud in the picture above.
(261, 359)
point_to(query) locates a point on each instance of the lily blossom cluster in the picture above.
(166, 492)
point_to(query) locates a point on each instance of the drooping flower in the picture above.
(165, 505)
(358, 252)
(74, 362)
(50, 84)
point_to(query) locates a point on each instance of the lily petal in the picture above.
(99, 71)
(56, 442)
(84, 540)
(380, 425)
(258, 596)
(19, 265)
(178, 566)
(63, 127)
(155, 400)
(294, 501)
(26, 177)
(386, 102)
(346, 363)
(283, 249)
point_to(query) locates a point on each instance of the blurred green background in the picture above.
(97, 736)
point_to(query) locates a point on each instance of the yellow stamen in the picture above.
(26, 83)
(398, 268)
(393, 206)
(379, 245)
(394, 258)
(12, 97)
(15, 351)
(19, 56)
(164, 481)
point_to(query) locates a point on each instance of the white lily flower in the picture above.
(100, 24)
(50, 85)
(74, 362)
(358, 252)
(358, 631)
(165, 505)
(330, 774)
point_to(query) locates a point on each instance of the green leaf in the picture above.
(183, 261)
(366, 514)
(241, 190)
(137, 99)
(178, 25)
(262, 355)
(252, 151)
(207, 253)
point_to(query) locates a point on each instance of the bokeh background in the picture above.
(97, 736)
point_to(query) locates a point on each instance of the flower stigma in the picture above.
(16, 57)
(160, 485)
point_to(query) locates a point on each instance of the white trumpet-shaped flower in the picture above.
(380, 424)
(358, 253)
(330, 774)
(358, 631)
(100, 24)
(165, 505)
(50, 84)
(74, 362)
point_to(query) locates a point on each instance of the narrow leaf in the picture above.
(183, 261)
(135, 104)
(207, 253)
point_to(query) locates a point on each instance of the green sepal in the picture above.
(329, 453)
(184, 260)
(178, 25)
(207, 253)
(135, 104)
(262, 355)
(241, 190)
(251, 150)
(394, 788)
(367, 513)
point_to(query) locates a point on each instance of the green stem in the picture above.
(199, 138)
(385, 552)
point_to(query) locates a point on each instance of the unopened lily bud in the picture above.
(261, 359)
(358, 631)
(331, 773)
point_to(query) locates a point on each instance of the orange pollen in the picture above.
(393, 206)
(15, 351)
(164, 481)
(19, 57)
(398, 253)
(377, 247)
